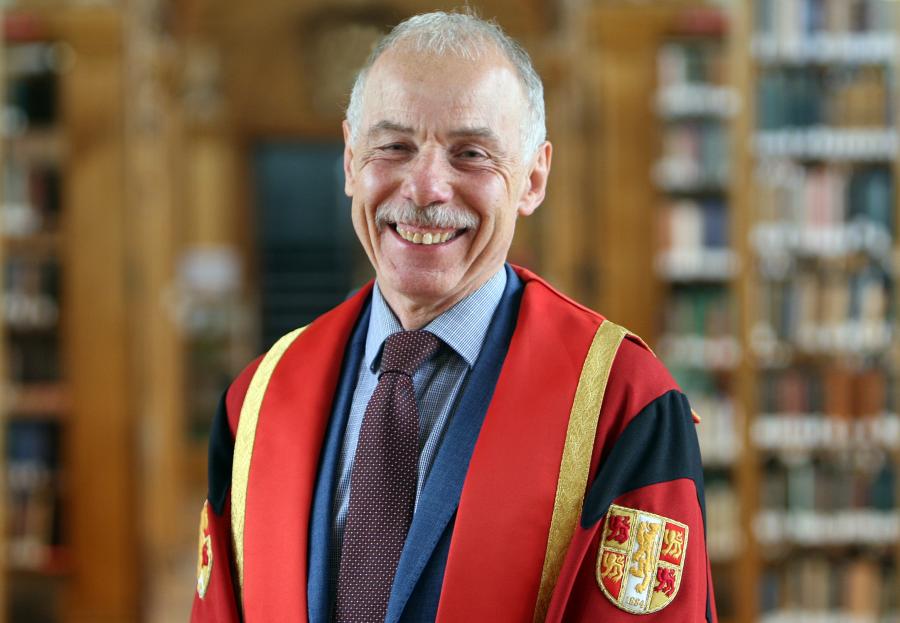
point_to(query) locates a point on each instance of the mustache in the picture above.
(434, 216)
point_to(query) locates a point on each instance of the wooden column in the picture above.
(100, 496)
(155, 215)
(749, 566)
(564, 219)
(622, 44)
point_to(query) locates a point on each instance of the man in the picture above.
(458, 441)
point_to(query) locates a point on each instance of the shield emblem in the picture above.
(204, 553)
(641, 559)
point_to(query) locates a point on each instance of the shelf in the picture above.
(778, 432)
(846, 338)
(831, 144)
(712, 265)
(23, 27)
(38, 560)
(24, 313)
(720, 456)
(697, 351)
(862, 527)
(682, 101)
(682, 176)
(41, 244)
(39, 146)
(826, 48)
(823, 241)
(37, 400)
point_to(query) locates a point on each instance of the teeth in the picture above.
(426, 238)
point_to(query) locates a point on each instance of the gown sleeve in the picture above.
(217, 595)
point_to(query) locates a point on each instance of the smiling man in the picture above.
(458, 441)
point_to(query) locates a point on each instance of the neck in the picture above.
(415, 313)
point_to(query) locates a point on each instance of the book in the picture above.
(835, 96)
(33, 492)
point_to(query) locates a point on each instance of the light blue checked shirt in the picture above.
(438, 384)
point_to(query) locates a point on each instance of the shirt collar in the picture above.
(463, 327)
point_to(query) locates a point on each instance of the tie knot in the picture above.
(405, 351)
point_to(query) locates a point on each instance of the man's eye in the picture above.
(395, 147)
(472, 154)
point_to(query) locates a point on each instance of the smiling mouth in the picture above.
(425, 236)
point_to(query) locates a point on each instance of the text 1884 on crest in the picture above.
(641, 559)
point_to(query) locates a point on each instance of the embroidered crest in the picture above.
(204, 553)
(641, 559)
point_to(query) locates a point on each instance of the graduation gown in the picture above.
(568, 486)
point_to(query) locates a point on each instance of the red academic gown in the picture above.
(638, 549)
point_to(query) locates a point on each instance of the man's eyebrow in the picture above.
(467, 132)
(475, 132)
(389, 126)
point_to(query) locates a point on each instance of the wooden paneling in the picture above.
(289, 65)
(154, 209)
(561, 226)
(100, 523)
(748, 565)
(622, 46)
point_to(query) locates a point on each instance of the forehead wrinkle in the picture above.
(482, 132)
(390, 126)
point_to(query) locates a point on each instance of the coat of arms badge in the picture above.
(641, 559)
(204, 553)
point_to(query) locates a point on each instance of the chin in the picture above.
(422, 287)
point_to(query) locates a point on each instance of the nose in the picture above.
(429, 179)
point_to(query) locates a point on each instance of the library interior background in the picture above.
(724, 184)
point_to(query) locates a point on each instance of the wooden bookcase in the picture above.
(697, 264)
(78, 557)
(35, 389)
(635, 175)
(815, 197)
(815, 479)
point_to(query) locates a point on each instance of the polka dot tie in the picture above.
(383, 482)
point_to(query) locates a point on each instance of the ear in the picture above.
(536, 181)
(348, 160)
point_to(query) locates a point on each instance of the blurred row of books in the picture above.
(35, 396)
(830, 589)
(34, 495)
(824, 310)
(795, 19)
(791, 97)
(813, 197)
(826, 483)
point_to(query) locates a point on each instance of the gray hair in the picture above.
(466, 36)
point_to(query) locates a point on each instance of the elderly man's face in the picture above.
(437, 174)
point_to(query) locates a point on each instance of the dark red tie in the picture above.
(383, 482)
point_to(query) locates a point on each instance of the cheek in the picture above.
(360, 222)
(490, 197)
(376, 181)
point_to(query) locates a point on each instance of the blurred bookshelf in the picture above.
(696, 263)
(34, 385)
(815, 161)
(67, 480)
